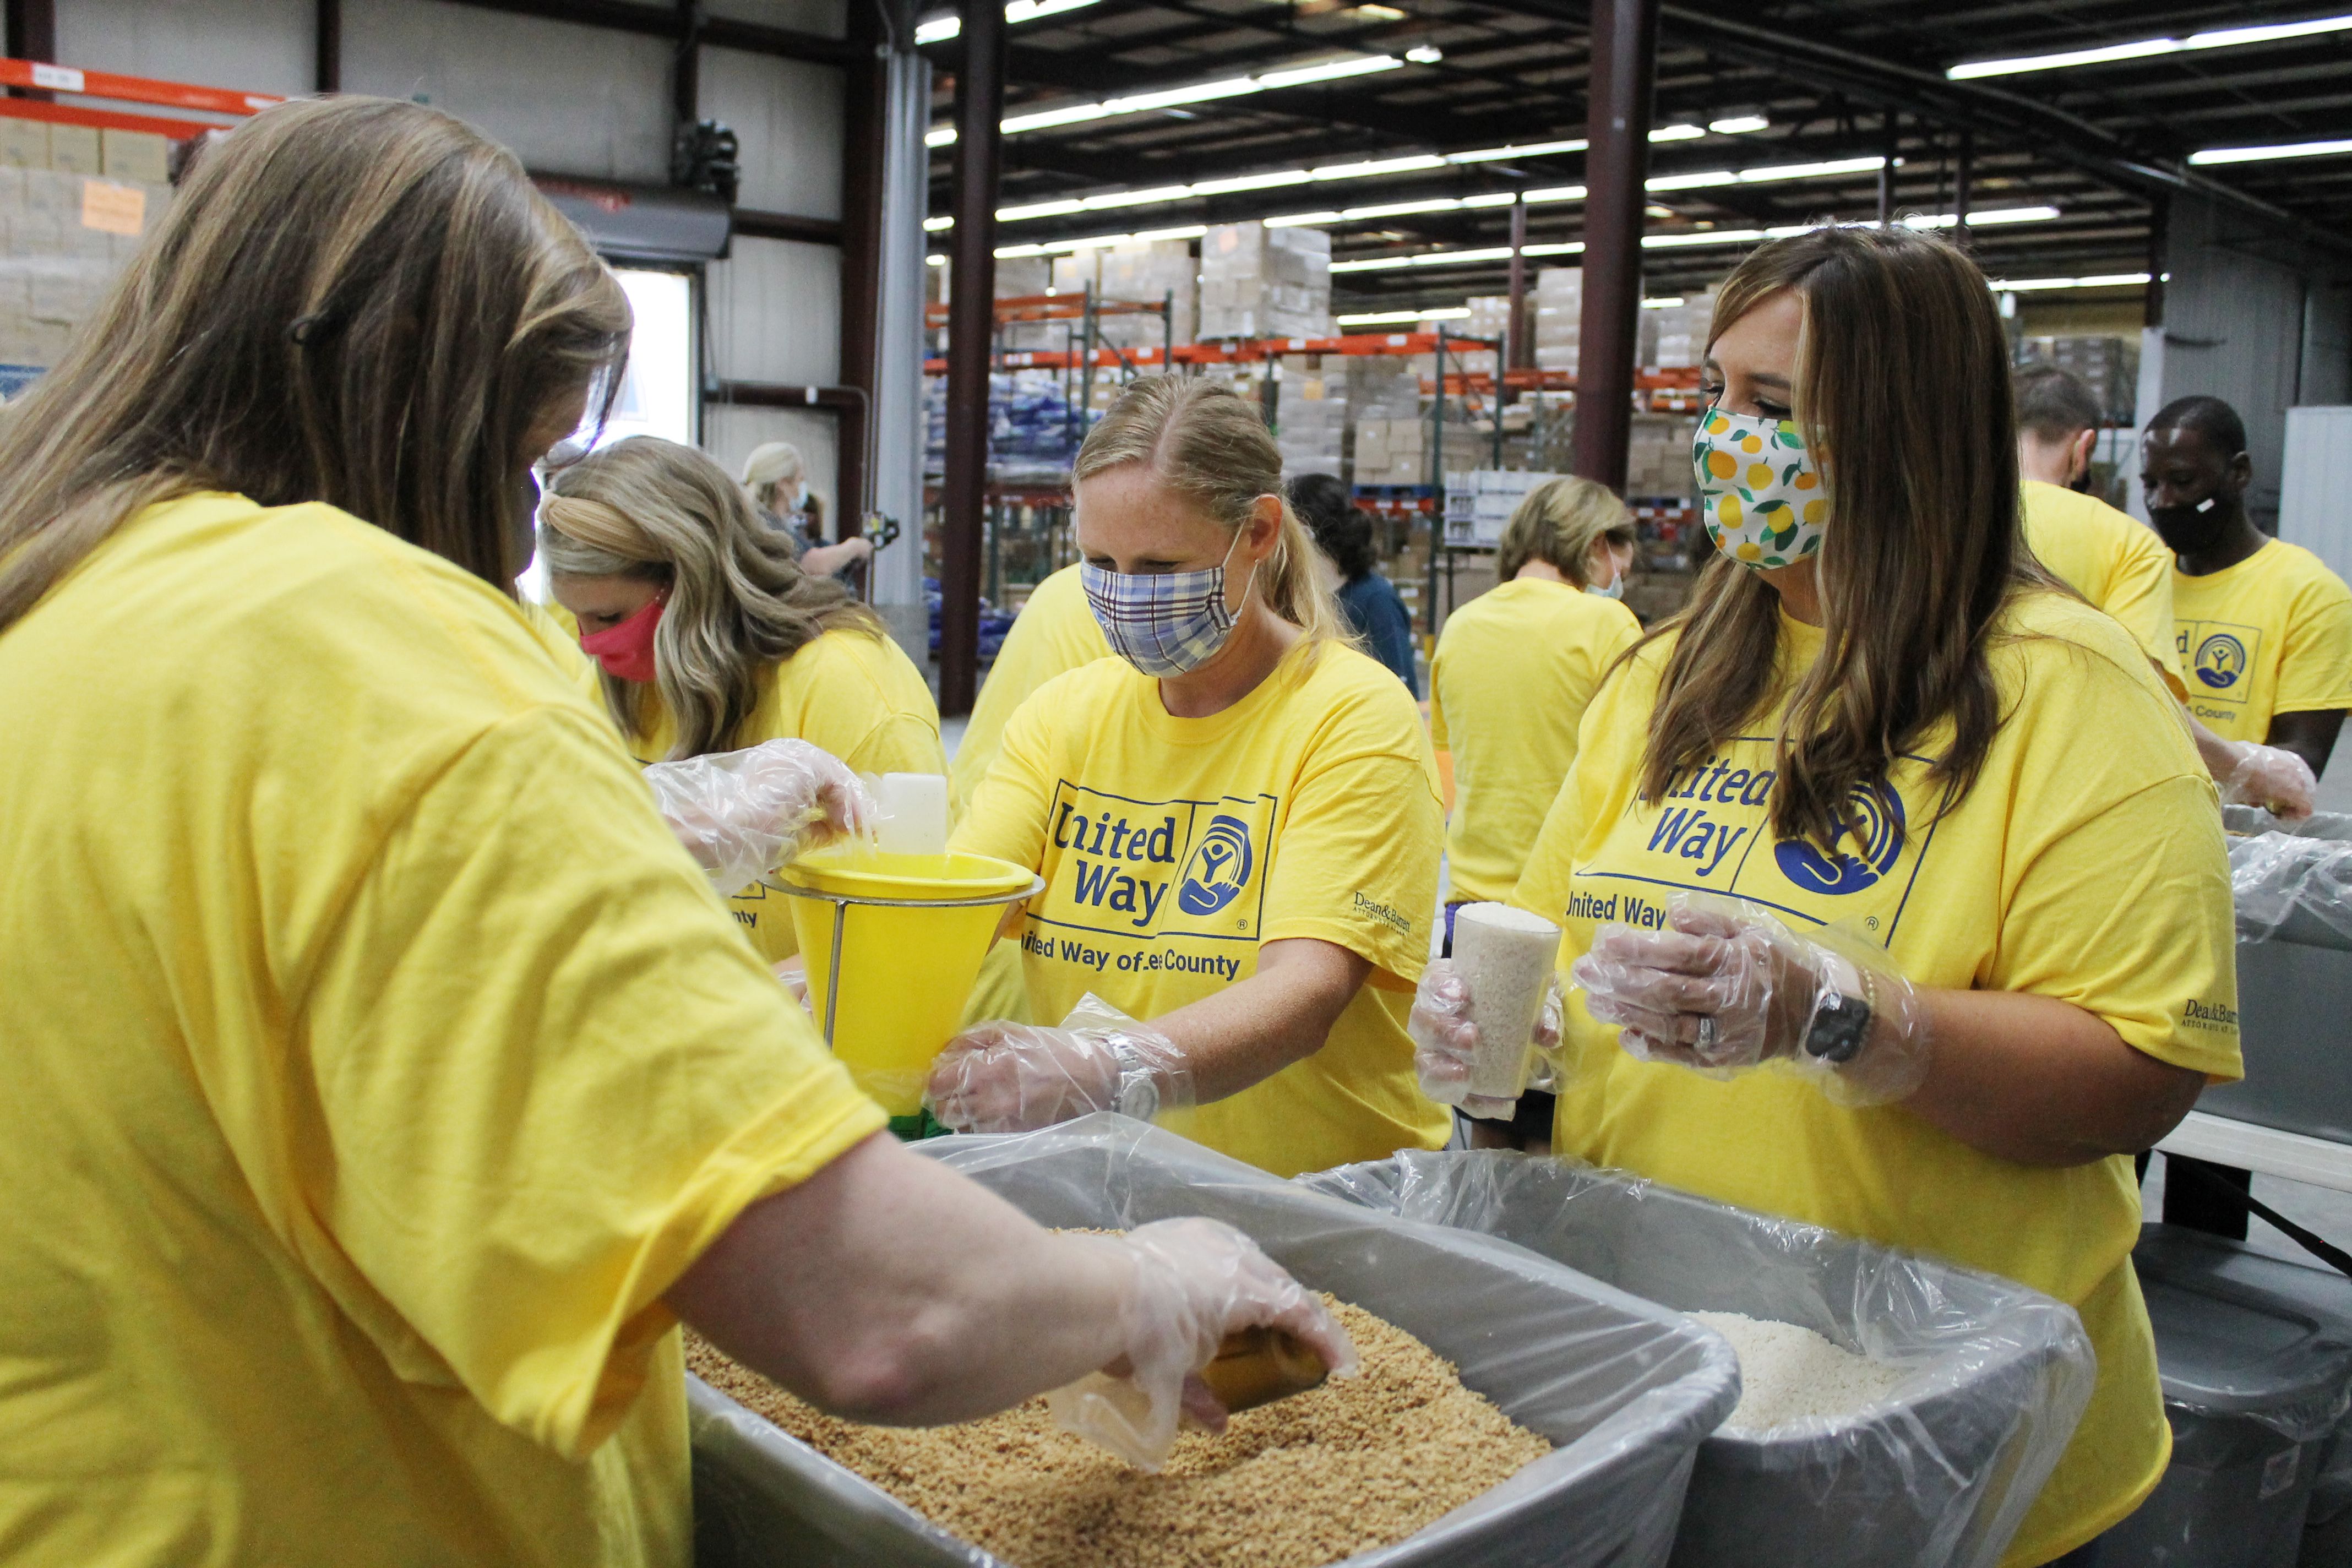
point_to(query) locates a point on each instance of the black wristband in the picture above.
(1840, 1024)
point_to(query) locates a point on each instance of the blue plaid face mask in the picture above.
(1163, 623)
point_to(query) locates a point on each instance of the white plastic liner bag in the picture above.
(1939, 1475)
(1625, 1389)
(2292, 885)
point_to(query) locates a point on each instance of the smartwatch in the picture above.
(1841, 1020)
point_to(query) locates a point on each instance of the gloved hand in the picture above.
(1196, 1280)
(1002, 1077)
(1445, 1042)
(2271, 777)
(742, 813)
(794, 973)
(1730, 986)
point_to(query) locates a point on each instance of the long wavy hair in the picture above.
(352, 301)
(652, 510)
(1210, 445)
(1901, 390)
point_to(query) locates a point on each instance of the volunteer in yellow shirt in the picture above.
(1236, 820)
(1054, 632)
(712, 639)
(2125, 570)
(385, 1083)
(2265, 629)
(1896, 840)
(1514, 669)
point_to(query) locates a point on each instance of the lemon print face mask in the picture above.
(1758, 488)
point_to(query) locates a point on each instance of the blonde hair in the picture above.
(1558, 523)
(770, 467)
(1211, 446)
(353, 301)
(655, 510)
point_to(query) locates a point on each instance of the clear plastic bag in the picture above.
(1939, 1475)
(742, 813)
(1622, 1388)
(2294, 886)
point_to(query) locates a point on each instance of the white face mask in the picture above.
(1616, 589)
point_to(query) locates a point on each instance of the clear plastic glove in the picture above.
(1445, 1042)
(742, 813)
(1002, 1077)
(1730, 987)
(1196, 1280)
(794, 973)
(2271, 777)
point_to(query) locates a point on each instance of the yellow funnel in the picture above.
(905, 972)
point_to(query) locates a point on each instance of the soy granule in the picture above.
(1787, 1372)
(1359, 1463)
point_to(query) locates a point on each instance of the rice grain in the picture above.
(1789, 1374)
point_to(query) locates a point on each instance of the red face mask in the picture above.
(626, 651)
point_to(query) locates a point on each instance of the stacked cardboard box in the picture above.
(1396, 451)
(1478, 504)
(1161, 269)
(67, 236)
(1559, 317)
(1490, 316)
(1674, 337)
(2109, 366)
(1261, 282)
(1658, 458)
(1311, 429)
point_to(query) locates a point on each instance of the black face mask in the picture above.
(2186, 529)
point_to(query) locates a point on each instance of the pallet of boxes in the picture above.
(75, 204)
(1263, 282)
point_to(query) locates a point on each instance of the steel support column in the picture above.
(971, 333)
(32, 27)
(686, 70)
(1624, 68)
(327, 39)
(866, 91)
(1518, 350)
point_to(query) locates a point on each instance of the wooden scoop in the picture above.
(1258, 1366)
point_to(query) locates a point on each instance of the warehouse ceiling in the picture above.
(1843, 83)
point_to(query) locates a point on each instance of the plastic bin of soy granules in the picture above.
(1622, 1389)
(1937, 1472)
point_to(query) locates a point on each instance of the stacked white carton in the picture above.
(1490, 316)
(1658, 458)
(1478, 504)
(1559, 317)
(1674, 337)
(1261, 282)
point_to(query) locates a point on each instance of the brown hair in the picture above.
(654, 510)
(1211, 446)
(353, 301)
(1558, 523)
(2053, 404)
(1901, 391)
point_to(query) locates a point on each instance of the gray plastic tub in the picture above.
(1625, 1389)
(2293, 892)
(1939, 1477)
(2257, 1379)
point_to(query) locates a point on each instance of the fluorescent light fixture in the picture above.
(1532, 150)
(1328, 70)
(1555, 194)
(1690, 181)
(1739, 125)
(1170, 98)
(1063, 114)
(1035, 209)
(1705, 236)
(1376, 166)
(1379, 13)
(1572, 248)
(2264, 154)
(1666, 303)
(1811, 171)
(1428, 259)
(2028, 285)
(939, 136)
(1134, 198)
(935, 261)
(1491, 199)
(1302, 220)
(933, 225)
(1102, 241)
(1251, 182)
(1986, 218)
(1676, 132)
(1399, 317)
(2143, 48)
(940, 30)
(1424, 54)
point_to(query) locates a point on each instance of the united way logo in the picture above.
(1874, 820)
(1219, 868)
(2221, 659)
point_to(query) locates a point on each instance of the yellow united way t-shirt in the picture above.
(1514, 669)
(852, 693)
(2272, 635)
(1054, 632)
(377, 1060)
(1172, 848)
(2087, 864)
(2113, 560)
